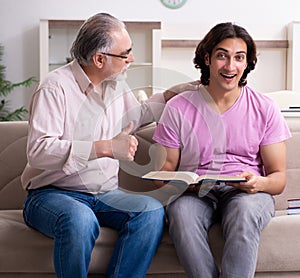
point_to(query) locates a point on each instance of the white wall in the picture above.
(265, 20)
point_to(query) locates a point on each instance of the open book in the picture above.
(190, 177)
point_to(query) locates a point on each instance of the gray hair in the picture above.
(95, 36)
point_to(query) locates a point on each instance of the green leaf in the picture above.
(17, 115)
(6, 87)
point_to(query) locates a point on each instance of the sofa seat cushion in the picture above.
(165, 260)
(25, 250)
(278, 248)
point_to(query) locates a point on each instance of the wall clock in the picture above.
(173, 4)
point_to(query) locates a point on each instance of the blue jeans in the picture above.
(74, 220)
(242, 217)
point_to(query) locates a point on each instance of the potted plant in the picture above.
(6, 87)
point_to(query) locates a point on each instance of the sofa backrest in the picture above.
(292, 189)
(13, 137)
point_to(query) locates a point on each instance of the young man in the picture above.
(223, 128)
(81, 117)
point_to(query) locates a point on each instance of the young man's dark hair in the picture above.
(217, 34)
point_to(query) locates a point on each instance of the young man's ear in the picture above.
(206, 59)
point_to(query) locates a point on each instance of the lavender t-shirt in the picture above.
(214, 143)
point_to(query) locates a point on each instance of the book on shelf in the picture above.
(293, 206)
(294, 203)
(190, 178)
(292, 211)
(291, 109)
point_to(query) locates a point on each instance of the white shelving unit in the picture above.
(293, 65)
(57, 36)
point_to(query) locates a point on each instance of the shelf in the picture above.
(76, 24)
(57, 64)
(134, 64)
(176, 43)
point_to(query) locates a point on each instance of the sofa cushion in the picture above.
(12, 162)
(24, 250)
(292, 189)
(278, 247)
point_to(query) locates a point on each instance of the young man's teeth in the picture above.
(228, 76)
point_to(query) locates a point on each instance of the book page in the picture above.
(190, 177)
(187, 177)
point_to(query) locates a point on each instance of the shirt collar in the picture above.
(80, 76)
(84, 82)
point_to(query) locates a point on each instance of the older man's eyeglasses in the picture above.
(115, 55)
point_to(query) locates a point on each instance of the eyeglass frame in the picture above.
(115, 55)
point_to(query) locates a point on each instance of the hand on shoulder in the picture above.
(182, 87)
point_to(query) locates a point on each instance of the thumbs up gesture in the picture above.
(124, 145)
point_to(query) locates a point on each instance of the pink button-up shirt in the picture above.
(67, 113)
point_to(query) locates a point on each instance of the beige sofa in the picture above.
(27, 253)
